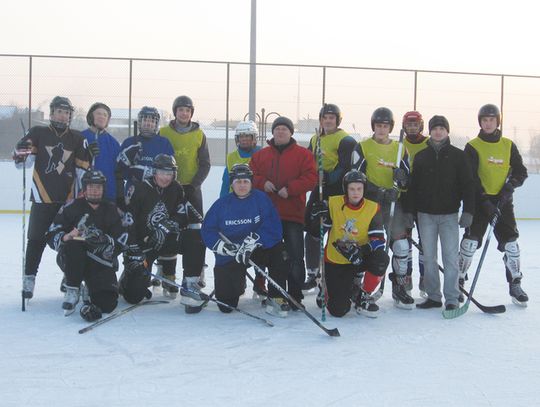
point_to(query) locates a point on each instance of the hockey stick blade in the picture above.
(454, 313)
(120, 313)
(493, 309)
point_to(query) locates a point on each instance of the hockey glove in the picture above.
(22, 150)
(225, 249)
(401, 178)
(386, 196)
(350, 250)
(465, 220)
(506, 194)
(93, 149)
(160, 231)
(90, 312)
(319, 210)
(247, 248)
(134, 254)
(490, 209)
(99, 243)
(130, 155)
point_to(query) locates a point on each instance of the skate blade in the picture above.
(68, 312)
(184, 300)
(400, 305)
(367, 313)
(522, 304)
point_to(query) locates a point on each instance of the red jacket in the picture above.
(294, 168)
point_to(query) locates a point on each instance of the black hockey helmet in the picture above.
(330, 108)
(240, 171)
(93, 108)
(165, 162)
(489, 110)
(353, 176)
(93, 177)
(382, 115)
(60, 102)
(183, 101)
(148, 112)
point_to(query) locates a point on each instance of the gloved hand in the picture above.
(134, 253)
(130, 155)
(506, 194)
(401, 178)
(247, 248)
(386, 196)
(350, 250)
(22, 150)
(490, 209)
(160, 231)
(90, 312)
(319, 209)
(99, 243)
(225, 249)
(465, 220)
(93, 148)
(408, 220)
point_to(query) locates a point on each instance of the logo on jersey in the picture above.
(57, 158)
(235, 222)
(349, 230)
(495, 161)
(386, 164)
(157, 214)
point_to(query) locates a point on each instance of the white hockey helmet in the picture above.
(247, 128)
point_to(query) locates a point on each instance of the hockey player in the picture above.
(245, 138)
(414, 142)
(162, 217)
(88, 235)
(376, 157)
(190, 149)
(355, 242)
(286, 172)
(138, 152)
(336, 149)
(497, 169)
(441, 179)
(60, 156)
(103, 148)
(244, 226)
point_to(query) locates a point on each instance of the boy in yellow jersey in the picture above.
(336, 150)
(355, 243)
(414, 142)
(376, 157)
(191, 154)
(492, 158)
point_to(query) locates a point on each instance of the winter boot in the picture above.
(259, 287)
(71, 299)
(169, 290)
(313, 277)
(365, 305)
(399, 293)
(190, 293)
(519, 297)
(277, 306)
(90, 312)
(429, 303)
(29, 282)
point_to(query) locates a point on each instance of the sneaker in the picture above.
(190, 293)
(429, 303)
(399, 293)
(313, 277)
(169, 290)
(450, 307)
(259, 287)
(365, 305)
(90, 312)
(277, 306)
(71, 299)
(29, 282)
(519, 297)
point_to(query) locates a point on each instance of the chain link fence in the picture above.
(220, 93)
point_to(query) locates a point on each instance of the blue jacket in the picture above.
(142, 168)
(236, 218)
(105, 161)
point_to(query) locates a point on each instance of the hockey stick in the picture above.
(209, 298)
(331, 332)
(323, 295)
(454, 313)
(378, 294)
(120, 313)
(23, 306)
(495, 309)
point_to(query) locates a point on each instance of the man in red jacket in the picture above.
(286, 172)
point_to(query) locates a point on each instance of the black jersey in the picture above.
(149, 204)
(57, 158)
